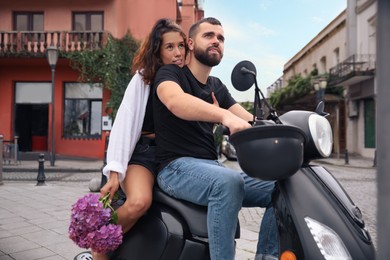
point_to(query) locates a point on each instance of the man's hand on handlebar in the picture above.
(235, 124)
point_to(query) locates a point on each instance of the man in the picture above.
(185, 113)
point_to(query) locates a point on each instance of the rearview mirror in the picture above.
(243, 75)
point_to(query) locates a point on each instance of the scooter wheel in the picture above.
(84, 256)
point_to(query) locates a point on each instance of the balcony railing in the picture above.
(278, 84)
(362, 66)
(34, 43)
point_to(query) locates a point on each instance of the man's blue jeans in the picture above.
(224, 191)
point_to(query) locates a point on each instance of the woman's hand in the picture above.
(215, 101)
(111, 186)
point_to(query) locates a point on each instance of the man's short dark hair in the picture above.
(195, 26)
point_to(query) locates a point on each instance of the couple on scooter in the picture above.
(185, 103)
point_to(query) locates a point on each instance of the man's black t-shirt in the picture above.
(175, 137)
(148, 125)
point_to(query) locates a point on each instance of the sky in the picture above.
(268, 33)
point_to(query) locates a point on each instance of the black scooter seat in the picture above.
(194, 215)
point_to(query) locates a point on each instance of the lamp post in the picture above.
(323, 83)
(52, 57)
(319, 85)
(316, 85)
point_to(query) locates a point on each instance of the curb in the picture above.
(59, 176)
(51, 169)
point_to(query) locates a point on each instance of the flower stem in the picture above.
(106, 204)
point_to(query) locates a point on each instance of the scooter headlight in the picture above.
(321, 133)
(329, 243)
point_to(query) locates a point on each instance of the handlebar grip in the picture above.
(226, 130)
(222, 130)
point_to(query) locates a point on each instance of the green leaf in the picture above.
(114, 217)
(106, 204)
(110, 65)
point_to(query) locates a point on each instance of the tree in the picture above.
(110, 65)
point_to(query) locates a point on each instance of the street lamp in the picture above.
(316, 86)
(323, 83)
(52, 57)
(319, 85)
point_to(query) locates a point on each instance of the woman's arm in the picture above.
(127, 127)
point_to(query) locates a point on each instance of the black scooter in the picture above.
(316, 218)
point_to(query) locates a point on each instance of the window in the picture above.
(314, 71)
(86, 25)
(83, 110)
(336, 56)
(372, 35)
(89, 21)
(28, 21)
(323, 68)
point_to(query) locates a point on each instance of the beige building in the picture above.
(344, 51)
(323, 52)
(357, 75)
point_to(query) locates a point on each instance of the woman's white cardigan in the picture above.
(127, 127)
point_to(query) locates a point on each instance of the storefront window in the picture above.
(83, 110)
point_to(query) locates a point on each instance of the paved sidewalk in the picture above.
(34, 219)
(353, 161)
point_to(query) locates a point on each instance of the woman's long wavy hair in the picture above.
(147, 59)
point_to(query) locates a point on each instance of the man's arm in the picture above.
(188, 107)
(241, 112)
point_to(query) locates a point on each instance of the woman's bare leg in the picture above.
(138, 187)
(97, 256)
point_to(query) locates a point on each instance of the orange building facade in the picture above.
(28, 28)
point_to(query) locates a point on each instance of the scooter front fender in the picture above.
(313, 192)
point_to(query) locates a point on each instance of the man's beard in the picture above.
(206, 59)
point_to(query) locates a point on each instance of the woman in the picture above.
(130, 153)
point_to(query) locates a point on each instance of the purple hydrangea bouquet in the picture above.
(93, 224)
